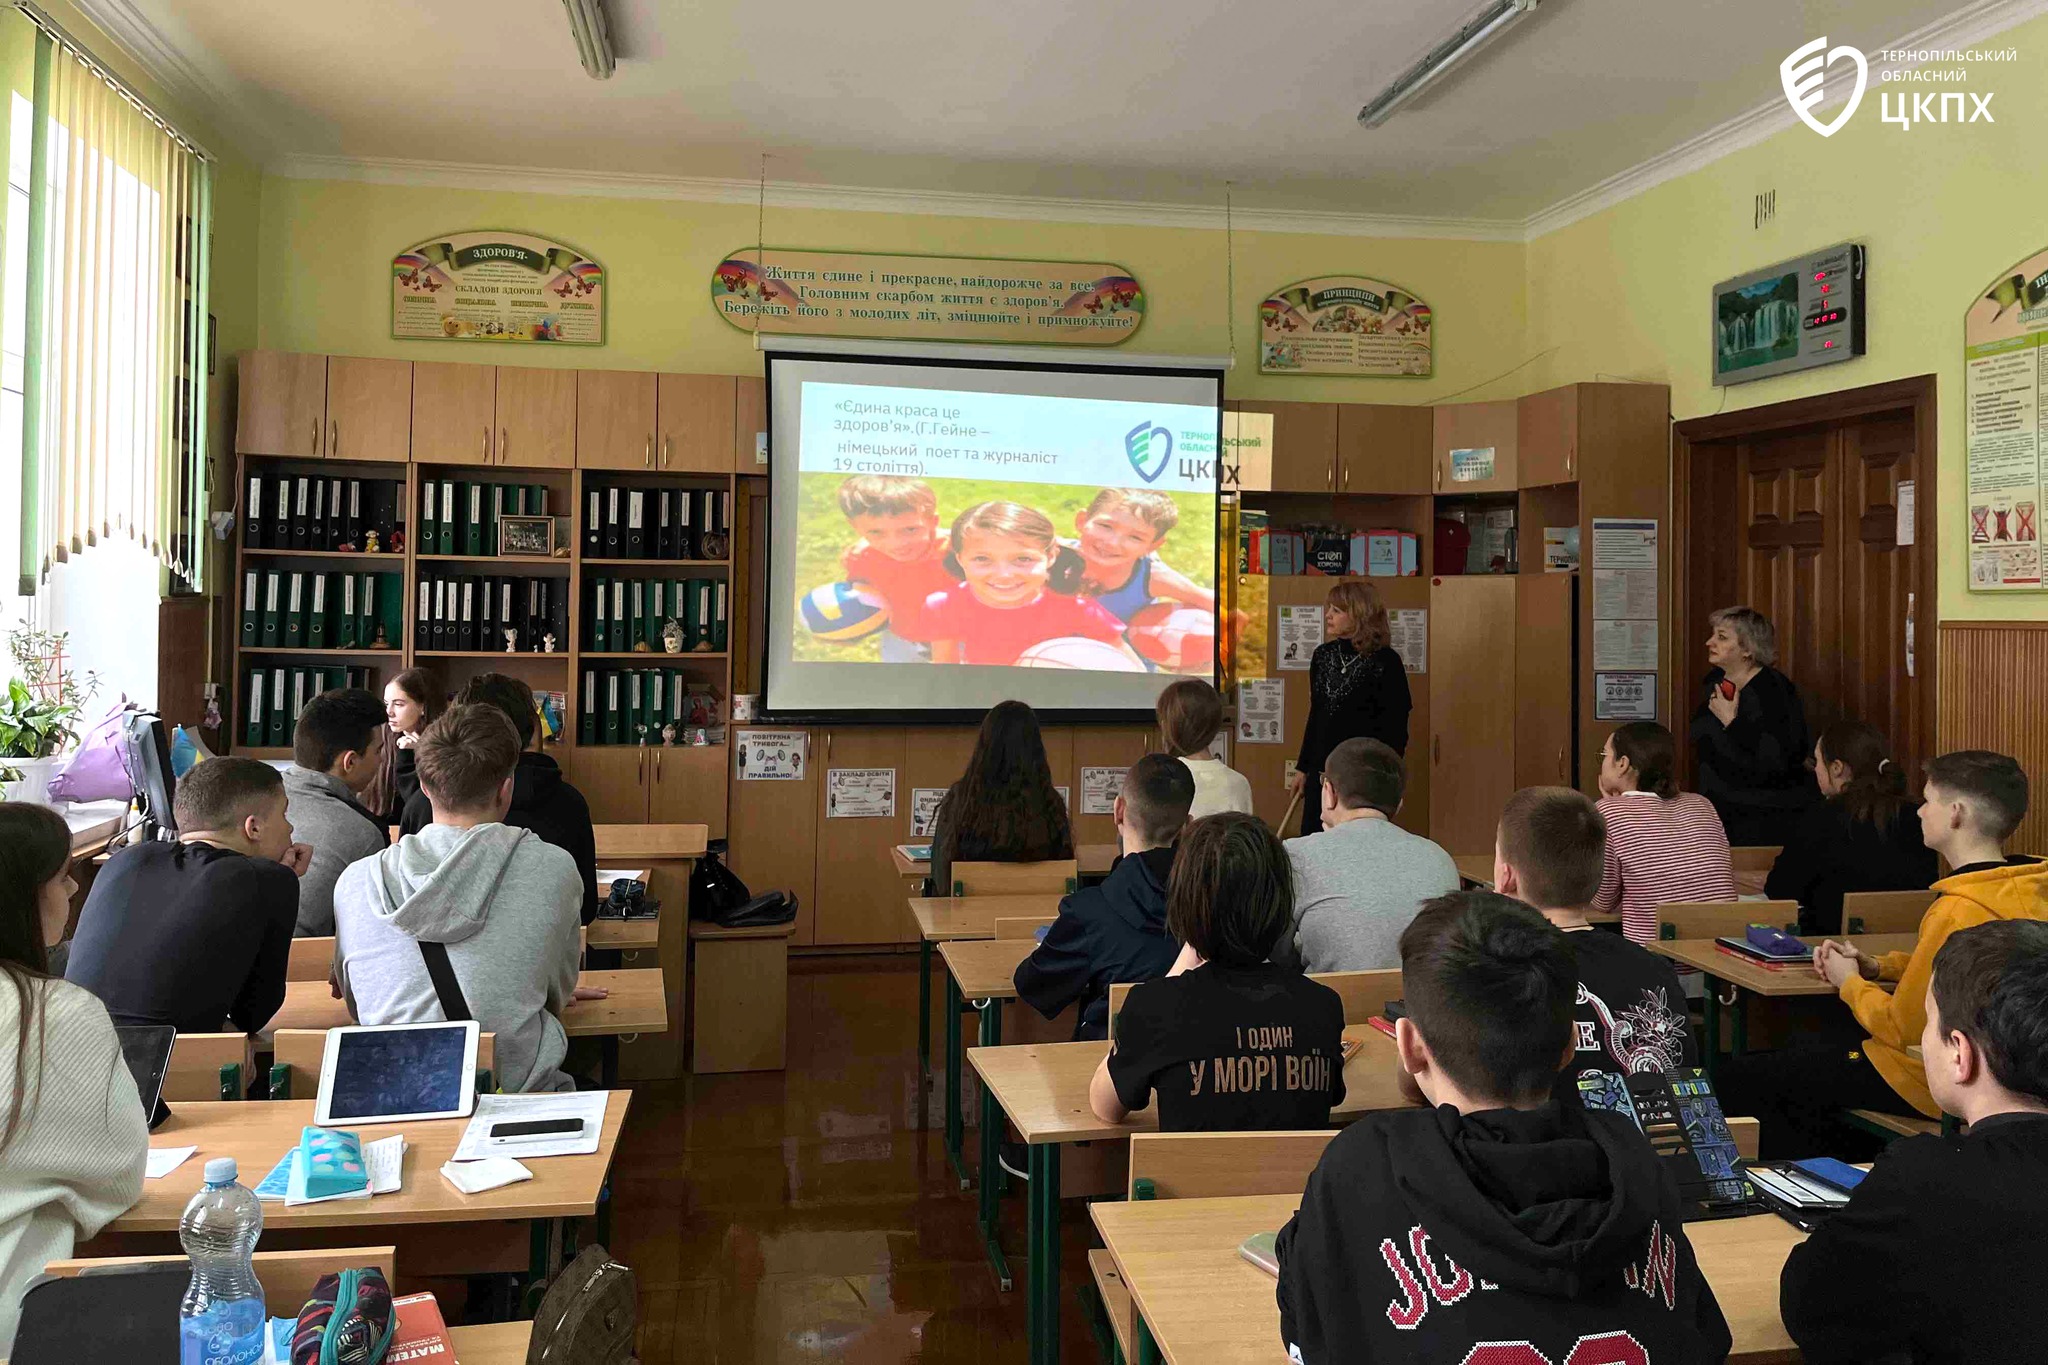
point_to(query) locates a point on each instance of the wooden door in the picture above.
(452, 411)
(613, 779)
(1304, 445)
(1472, 704)
(614, 419)
(750, 425)
(282, 408)
(1880, 587)
(1790, 559)
(694, 423)
(860, 895)
(1474, 427)
(1547, 437)
(1382, 448)
(536, 413)
(369, 409)
(773, 835)
(1104, 747)
(686, 786)
(1545, 678)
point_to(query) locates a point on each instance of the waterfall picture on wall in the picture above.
(1758, 324)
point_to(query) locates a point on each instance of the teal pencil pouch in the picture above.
(333, 1162)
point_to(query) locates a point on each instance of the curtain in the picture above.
(114, 385)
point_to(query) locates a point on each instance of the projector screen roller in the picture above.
(947, 535)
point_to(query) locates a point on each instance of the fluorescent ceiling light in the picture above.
(1475, 33)
(593, 37)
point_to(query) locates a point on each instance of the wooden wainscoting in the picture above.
(1994, 695)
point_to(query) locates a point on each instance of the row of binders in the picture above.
(632, 614)
(492, 614)
(461, 518)
(622, 522)
(322, 512)
(273, 697)
(637, 705)
(282, 609)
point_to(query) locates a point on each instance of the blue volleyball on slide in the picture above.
(842, 611)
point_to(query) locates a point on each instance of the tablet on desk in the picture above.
(398, 1072)
(147, 1050)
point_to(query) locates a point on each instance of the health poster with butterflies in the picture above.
(497, 286)
(1346, 324)
(2005, 349)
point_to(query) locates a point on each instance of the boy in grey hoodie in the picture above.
(499, 901)
(337, 749)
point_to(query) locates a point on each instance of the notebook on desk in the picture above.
(1681, 1116)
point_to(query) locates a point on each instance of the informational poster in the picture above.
(1066, 797)
(927, 298)
(1100, 788)
(772, 755)
(1301, 631)
(1472, 464)
(1262, 711)
(1408, 634)
(860, 793)
(1904, 533)
(924, 810)
(1625, 645)
(1219, 747)
(1624, 594)
(1625, 543)
(2005, 412)
(1247, 452)
(1345, 324)
(497, 286)
(1624, 696)
(1560, 549)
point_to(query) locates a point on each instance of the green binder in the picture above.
(444, 540)
(430, 517)
(347, 612)
(272, 629)
(252, 608)
(536, 500)
(614, 717)
(636, 712)
(657, 703)
(277, 725)
(384, 606)
(636, 611)
(615, 620)
(718, 586)
(472, 496)
(253, 698)
(500, 504)
(657, 613)
(586, 732)
(600, 605)
(316, 612)
(295, 611)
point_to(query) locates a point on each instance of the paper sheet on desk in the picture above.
(163, 1160)
(587, 1105)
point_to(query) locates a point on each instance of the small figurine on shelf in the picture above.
(547, 643)
(672, 637)
(397, 540)
(511, 640)
(370, 542)
(641, 646)
(347, 547)
(381, 641)
(668, 735)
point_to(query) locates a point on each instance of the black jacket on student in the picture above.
(1829, 853)
(1630, 1016)
(1937, 1256)
(1425, 1233)
(544, 802)
(1754, 768)
(1104, 934)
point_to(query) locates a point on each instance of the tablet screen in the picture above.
(397, 1071)
(147, 1050)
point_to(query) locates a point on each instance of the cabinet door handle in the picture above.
(316, 435)
(485, 447)
(334, 439)
(640, 775)
(504, 440)
(1439, 478)
(665, 442)
(1571, 459)
(1561, 750)
(648, 459)
(657, 765)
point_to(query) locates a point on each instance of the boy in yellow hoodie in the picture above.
(1972, 802)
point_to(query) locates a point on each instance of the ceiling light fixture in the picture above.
(1474, 34)
(593, 37)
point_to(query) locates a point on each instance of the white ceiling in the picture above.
(1154, 101)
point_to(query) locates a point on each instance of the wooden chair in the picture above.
(1723, 919)
(1365, 994)
(209, 1066)
(296, 1054)
(287, 1277)
(1885, 912)
(1754, 857)
(1016, 879)
(1022, 926)
(312, 959)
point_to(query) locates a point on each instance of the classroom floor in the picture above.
(809, 1214)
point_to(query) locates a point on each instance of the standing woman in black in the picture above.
(1749, 733)
(1357, 686)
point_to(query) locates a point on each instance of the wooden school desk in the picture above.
(1093, 858)
(1749, 979)
(669, 853)
(942, 919)
(1201, 1301)
(1043, 1088)
(983, 971)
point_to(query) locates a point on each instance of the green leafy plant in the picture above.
(39, 712)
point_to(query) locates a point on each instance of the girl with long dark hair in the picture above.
(412, 702)
(1004, 808)
(1864, 836)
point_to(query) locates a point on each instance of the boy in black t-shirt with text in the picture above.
(1500, 1225)
(1630, 1010)
(1229, 1041)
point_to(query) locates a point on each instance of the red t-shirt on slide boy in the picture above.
(903, 584)
(997, 635)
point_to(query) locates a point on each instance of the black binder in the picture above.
(301, 529)
(352, 515)
(613, 524)
(255, 530)
(466, 619)
(382, 514)
(558, 613)
(636, 523)
(423, 617)
(593, 524)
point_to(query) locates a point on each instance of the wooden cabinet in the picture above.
(1472, 734)
(686, 786)
(1382, 448)
(1547, 436)
(613, 780)
(750, 425)
(282, 407)
(1304, 445)
(454, 412)
(369, 409)
(860, 895)
(1544, 679)
(1490, 431)
(774, 836)
(614, 419)
(694, 423)
(536, 411)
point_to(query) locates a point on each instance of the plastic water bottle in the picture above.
(221, 1318)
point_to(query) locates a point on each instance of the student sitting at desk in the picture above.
(1116, 931)
(1228, 1040)
(1942, 1241)
(1663, 845)
(198, 932)
(337, 751)
(542, 799)
(412, 701)
(469, 918)
(73, 1137)
(1629, 1014)
(1190, 717)
(1498, 1216)
(1971, 803)
(1863, 836)
(1004, 808)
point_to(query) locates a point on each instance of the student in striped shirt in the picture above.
(1663, 845)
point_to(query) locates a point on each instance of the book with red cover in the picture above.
(420, 1335)
(1383, 1024)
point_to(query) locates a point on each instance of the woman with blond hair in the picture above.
(1357, 687)
(1749, 732)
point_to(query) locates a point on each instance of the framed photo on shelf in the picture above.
(526, 537)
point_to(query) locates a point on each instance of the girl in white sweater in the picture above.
(1190, 714)
(73, 1137)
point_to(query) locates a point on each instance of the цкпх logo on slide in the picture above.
(1804, 75)
(1148, 445)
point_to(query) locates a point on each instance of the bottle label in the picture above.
(227, 1334)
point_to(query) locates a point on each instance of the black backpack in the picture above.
(718, 895)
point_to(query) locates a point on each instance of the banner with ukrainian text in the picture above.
(1345, 324)
(927, 298)
(497, 286)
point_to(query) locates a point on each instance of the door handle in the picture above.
(1571, 459)
(648, 459)
(640, 773)
(504, 440)
(334, 438)
(665, 443)
(316, 435)
(1439, 473)
(487, 443)
(1560, 763)
(657, 765)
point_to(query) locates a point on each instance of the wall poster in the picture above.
(2004, 335)
(497, 286)
(1345, 324)
(772, 755)
(860, 793)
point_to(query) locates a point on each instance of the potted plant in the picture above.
(39, 711)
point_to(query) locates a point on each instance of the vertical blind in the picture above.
(114, 384)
